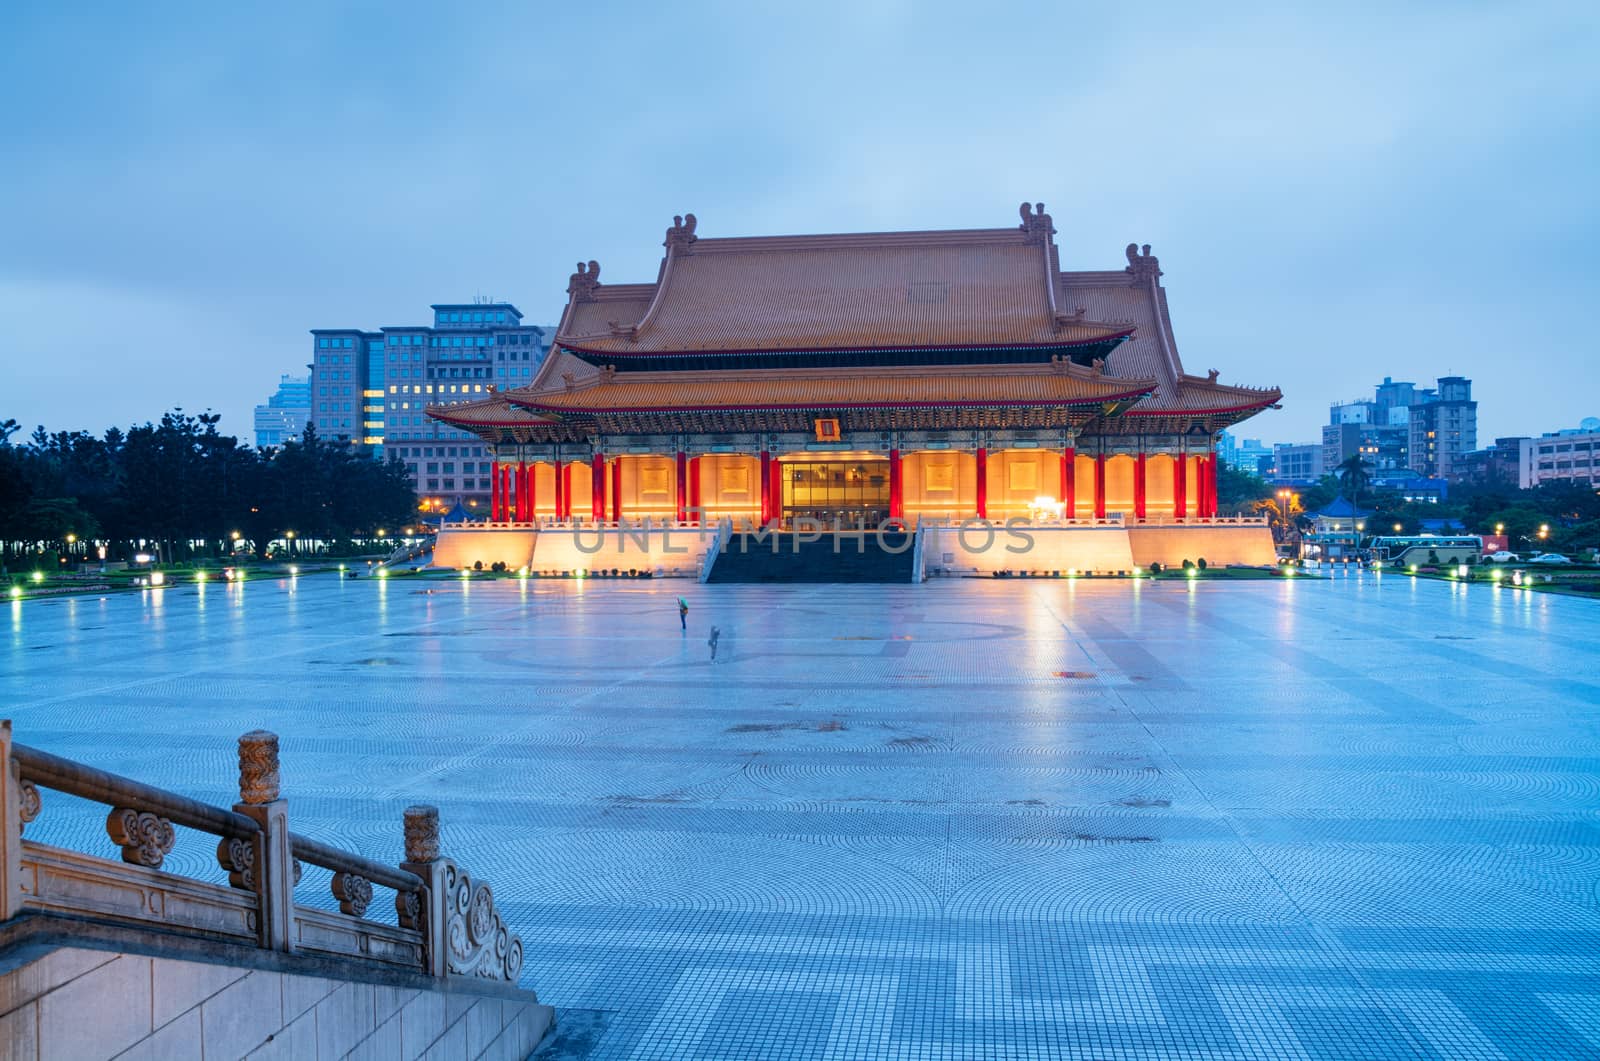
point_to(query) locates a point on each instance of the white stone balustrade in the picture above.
(448, 924)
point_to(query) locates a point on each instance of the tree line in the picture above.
(185, 485)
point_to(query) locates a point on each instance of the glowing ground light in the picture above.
(293, 570)
(16, 591)
(38, 576)
(1495, 575)
(157, 578)
(199, 576)
(1412, 569)
(1192, 573)
(383, 572)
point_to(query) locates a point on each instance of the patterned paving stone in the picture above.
(1346, 818)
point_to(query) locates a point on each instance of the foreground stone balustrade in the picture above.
(448, 925)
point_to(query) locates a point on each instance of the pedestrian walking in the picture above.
(712, 641)
(683, 614)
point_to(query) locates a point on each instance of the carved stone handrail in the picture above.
(448, 923)
(77, 779)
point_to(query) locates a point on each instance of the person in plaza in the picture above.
(716, 634)
(683, 614)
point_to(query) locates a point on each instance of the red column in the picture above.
(775, 489)
(519, 489)
(766, 488)
(616, 489)
(597, 488)
(1180, 485)
(694, 491)
(1138, 486)
(494, 493)
(1211, 485)
(683, 485)
(983, 482)
(1069, 482)
(529, 478)
(896, 487)
(1100, 485)
(1202, 488)
(561, 488)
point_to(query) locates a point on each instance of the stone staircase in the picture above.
(785, 556)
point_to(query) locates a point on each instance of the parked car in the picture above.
(1502, 557)
(1549, 558)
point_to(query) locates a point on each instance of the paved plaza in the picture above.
(1353, 818)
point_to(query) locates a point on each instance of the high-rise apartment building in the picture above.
(285, 414)
(1443, 426)
(371, 388)
(1427, 430)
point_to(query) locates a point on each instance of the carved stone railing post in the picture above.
(425, 911)
(267, 866)
(463, 934)
(11, 811)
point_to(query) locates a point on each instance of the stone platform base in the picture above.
(1100, 548)
(61, 996)
(663, 551)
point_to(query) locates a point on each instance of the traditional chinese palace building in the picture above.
(914, 376)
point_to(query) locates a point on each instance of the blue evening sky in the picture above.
(1336, 192)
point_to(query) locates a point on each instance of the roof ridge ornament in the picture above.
(681, 234)
(1211, 375)
(608, 373)
(1142, 266)
(1036, 224)
(584, 282)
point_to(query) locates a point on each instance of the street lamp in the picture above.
(1544, 531)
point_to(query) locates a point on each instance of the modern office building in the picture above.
(1427, 430)
(370, 387)
(1572, 455)
(1244, 454)
(1294, 462)
(285, 414)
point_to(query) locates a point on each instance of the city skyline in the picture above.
(1389, 222)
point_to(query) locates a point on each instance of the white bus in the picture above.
(1427, 550)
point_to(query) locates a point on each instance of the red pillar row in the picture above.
(896, 489)
(1069, 482)
(1138, 486)
(983, 483)
(597, 487)
(1100, 486)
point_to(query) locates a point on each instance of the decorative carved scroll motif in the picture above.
(409, 907)
(583, 283)
(145, 838)
(30, 802)
(478, 942)
(238, 857)
(354, 893)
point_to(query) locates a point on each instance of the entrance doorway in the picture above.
(851, 491)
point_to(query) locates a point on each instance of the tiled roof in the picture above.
(1058, 384)
(970, 288)
(1120, 297)
(494, 411)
